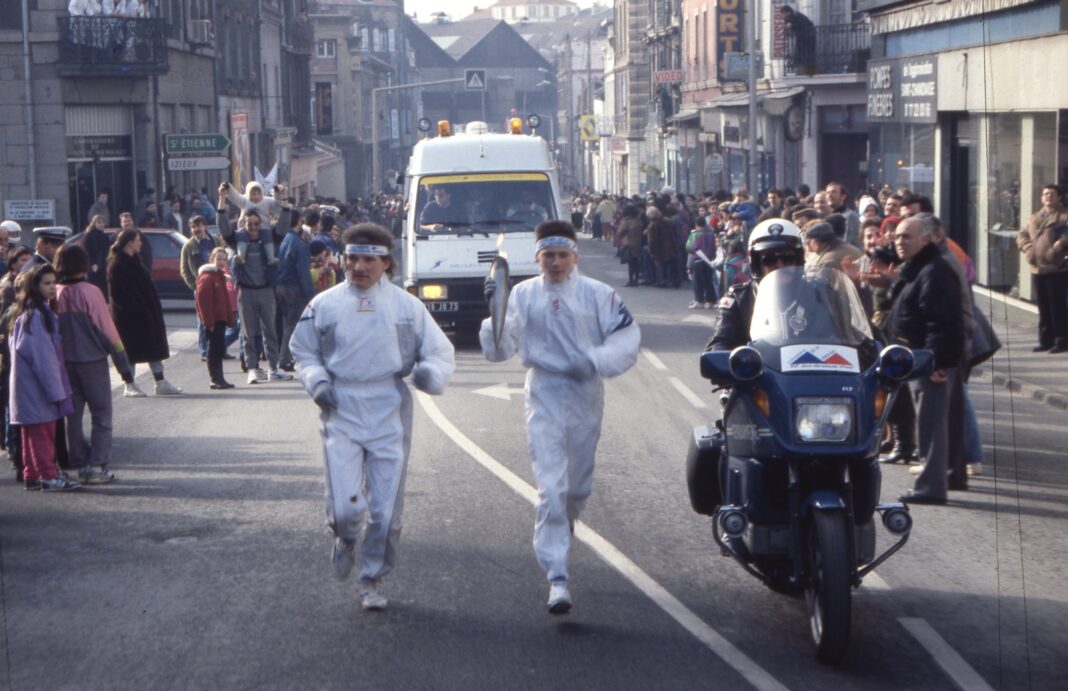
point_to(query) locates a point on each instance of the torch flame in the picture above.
(500, 244)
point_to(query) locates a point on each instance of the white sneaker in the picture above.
(708, 305)
(975, 469)
(370, 599)
(343, 557)
(279, 375)
(559, 598)
(916, 469)
(132, 390)
(165, 388)
(694, 304)
(256, 375)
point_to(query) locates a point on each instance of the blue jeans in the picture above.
(973, 440)
(704, 284)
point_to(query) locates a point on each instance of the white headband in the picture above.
(376, 250)
(556, 241)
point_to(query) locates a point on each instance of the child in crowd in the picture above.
(40, 391)
(323, 275)
(735, 264)
(268, 209)
(89, 338)
(216, 313)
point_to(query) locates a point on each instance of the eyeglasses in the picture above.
(777, 258)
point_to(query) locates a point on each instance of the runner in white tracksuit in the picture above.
(570, 330)
(352, 346)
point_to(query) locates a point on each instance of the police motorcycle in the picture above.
(790, 473)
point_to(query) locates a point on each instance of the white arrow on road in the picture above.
(501, 391)
(701, 319)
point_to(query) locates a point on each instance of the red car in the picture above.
(166, 246)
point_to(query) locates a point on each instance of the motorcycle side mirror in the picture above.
(896, 362)
(924, 363)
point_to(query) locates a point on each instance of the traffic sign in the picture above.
(715, 164)
(475, 80)
(206, 143)
(198, 163)
(588, 128)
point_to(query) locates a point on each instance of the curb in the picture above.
(1054, 400)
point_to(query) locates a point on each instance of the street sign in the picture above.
(588, 128)
(198, 163)
(715, 164)
(206, 143)
(475, 80)
(30, 209)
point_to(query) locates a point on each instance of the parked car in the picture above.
(166, 246)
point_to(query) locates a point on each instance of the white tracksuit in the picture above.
(555, 327)
(363, 342)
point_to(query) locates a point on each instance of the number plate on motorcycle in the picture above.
(819, 358)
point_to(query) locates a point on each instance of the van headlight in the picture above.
(433, 291)
(824, 419)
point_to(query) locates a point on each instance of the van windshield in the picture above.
(483, 203)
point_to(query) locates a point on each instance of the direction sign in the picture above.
(475, 80)
(198, 163)
(588, 128)
(206, 143)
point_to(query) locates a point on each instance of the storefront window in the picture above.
(903, 157)
(1003, 198)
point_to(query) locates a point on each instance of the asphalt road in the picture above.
(206, 565)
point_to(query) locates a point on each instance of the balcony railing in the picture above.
(112, 47)
(832, 49)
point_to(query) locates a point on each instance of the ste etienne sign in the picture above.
(903, 90)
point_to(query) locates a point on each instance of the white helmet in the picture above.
(771, 235)
(14, 231)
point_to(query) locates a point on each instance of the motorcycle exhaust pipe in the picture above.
(897, 521)
(733, 522)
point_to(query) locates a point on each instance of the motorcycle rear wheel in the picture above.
(829, 592)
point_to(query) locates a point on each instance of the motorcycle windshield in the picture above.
(811, 321)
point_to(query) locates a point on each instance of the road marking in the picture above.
(653, 359)
(701, 319)
(874, 583)
(178, 340)
(690, 396)
(660, 596)
(944, 655)
(501, 391)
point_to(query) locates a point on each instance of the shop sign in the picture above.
(99, 146)
(903, 90)
(669, 76)
(30, 209)
(729, 22)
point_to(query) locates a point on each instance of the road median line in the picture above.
(661, 597)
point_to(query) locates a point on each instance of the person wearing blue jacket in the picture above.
(744, 208)
(292, 285)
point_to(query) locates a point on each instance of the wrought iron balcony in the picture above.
(112, 47)
(832, 49)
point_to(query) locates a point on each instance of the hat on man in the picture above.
(53, 233)
(821, 232)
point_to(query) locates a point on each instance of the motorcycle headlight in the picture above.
(824, 419)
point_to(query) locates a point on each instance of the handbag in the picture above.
(984, 341)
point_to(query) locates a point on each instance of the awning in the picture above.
(685, 115)
(770, 98)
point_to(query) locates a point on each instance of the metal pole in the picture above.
(754, 163)
(375, 183)
(31, 141)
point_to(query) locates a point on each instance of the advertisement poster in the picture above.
(240, 155)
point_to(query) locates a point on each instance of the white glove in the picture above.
(324, 396)
(423, 379)
(583, 369)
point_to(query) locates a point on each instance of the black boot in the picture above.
(886, 446)
(904, 448)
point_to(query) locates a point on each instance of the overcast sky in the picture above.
(458, 9)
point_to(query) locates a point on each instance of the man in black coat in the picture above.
(926, 315)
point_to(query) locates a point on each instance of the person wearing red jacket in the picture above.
(215, 312)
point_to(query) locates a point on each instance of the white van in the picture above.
(468, 195)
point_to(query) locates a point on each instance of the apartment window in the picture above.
(326, 48)
(391, 40)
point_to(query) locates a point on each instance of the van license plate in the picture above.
(443, 306)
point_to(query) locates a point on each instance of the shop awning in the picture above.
(685, 115)
(741, 99)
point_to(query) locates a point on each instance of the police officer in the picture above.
(46, 242)
(774, 243)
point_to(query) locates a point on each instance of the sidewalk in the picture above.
(1041, 376)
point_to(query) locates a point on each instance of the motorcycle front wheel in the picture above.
(829, 593)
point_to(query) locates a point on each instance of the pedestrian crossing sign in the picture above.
(588, 128)
(475, 80)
